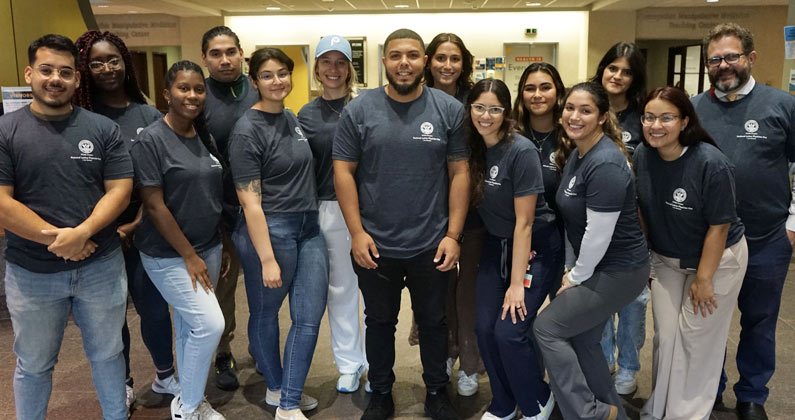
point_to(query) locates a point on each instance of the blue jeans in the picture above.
(629, 336)
(302, 256)
(39, 304)
(759, 302)
(198, 321)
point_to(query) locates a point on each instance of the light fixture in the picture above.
(401, 6)
(712, 1)
(102, 5)
(532, 4)
(273, 8)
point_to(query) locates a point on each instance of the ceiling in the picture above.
(191, 8)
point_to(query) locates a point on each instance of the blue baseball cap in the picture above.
(333, 43)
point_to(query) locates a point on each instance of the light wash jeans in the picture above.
(198, 321)
(40, 303)
(629, 336)
(302, 256)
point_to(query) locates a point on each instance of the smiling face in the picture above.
(486, 122)
(617, 77)
(274, 82)
(53, 80)
(186, 95)
(108, 78)
(581, 118)
(728, 77)
(663, 135)
(446, 65)
(404, 61)
(332, 70)
(539, 94)
(223, 59)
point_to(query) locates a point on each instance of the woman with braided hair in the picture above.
(108, 86)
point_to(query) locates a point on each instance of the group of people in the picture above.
(595, 197)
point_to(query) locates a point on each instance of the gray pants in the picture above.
(568, 333)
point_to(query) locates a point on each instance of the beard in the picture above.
(741, 76)
(41, 96)
(404, 89)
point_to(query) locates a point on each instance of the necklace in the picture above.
(339, 113)
(536, 141)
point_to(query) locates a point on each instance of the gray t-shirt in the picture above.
(681, 199)
(513, 169)
(631, 129)
(757, 134)
(603, 181)
(547, 145)
(319, 120)
(191, 181)
(58, 170)
(402, 151)
(272, 148)
(222, 108)
(131, 119)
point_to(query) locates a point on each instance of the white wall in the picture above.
(483, 33)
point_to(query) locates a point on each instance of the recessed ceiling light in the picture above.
(132, 11)
(102, 5)
(712, 1)
(401, 6)
(532, 4)
(273, 8)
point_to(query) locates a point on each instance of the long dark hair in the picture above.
(522, 115)
(637, 64)
(200, 122)
(477, 147)
(464, 81)
(610, 128)
(693, 132)
(83, 96)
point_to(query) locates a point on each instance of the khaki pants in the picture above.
(688, 348)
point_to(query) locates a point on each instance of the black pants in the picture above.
(381, 289)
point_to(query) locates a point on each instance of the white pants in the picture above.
(343, 292)
(688, 348)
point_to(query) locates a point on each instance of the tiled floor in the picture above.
(73, 396)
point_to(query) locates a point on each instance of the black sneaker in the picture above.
(225, 374)
(380, 407)
(438, 407)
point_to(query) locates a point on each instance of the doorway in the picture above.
(686, 69)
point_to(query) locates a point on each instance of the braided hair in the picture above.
(83, 96)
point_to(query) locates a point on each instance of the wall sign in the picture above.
(358, 46)
(145, 30)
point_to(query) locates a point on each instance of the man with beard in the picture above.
(65, 176)
(229, 95)
(753, 125)
(401, 176)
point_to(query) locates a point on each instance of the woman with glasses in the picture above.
(319, 118)
(278, 238)
(178, 175)
(518, 255)
(536, 110)
(610, 258)
(686, 195)
(449, 68)
(622, 72)
(108, 86)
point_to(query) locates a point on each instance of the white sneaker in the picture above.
(289, 415)
(467, 385)
(275, 397)
(546, 410)
(349, 382)
(176, 409)
(130, 396)
(449, 366)
(169, 385)
(489, 416)
(206, 412)
(625, 381)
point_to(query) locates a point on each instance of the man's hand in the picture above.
(791, 237)
(451, 250)
(364, 250)
(125, 232)
(69, 243)
(86, 252)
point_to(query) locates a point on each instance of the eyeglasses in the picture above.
(649, 119)
(112, 64)
(480, 109)
(732, 58)
(269, 77)
(65, 73)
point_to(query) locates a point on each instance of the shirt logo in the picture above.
(138, 131)
(552, 158)
(85, 146)
(626, 136)
(751, 126)
(568, 192)
(300, 134)
(678, 203)
(493, 172)
(426, 128)
(680, 195)
(571, 183)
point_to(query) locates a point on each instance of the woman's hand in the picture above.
(197, 270)
(702, 296)
(514, 303)
(271, 274)
(565, 284)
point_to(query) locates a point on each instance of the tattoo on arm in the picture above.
(254, 185)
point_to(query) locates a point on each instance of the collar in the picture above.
(741, 92)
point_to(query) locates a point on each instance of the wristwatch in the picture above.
(459, 238)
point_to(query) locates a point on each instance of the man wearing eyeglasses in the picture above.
(402, 181)
(65, 176)
(753, 125)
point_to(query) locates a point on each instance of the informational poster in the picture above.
(791, 82)
(15, 97)
(358, 46)
(789, 42)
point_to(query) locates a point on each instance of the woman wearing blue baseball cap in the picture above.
(337, 78)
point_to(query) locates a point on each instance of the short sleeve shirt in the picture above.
(602, 181)
(402, 151)
(681, 199)
(58, 170)
(191, 180)
(631, 129)
(273, 148)
(547, 145)
(319, 120)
